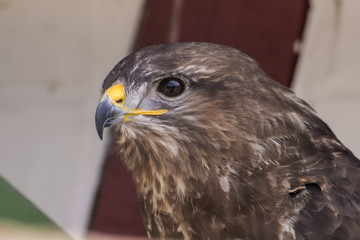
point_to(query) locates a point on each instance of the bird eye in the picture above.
(171, 87)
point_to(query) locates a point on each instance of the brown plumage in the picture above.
(219, 150)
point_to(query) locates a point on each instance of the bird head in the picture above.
(172, 84)
(199, 100)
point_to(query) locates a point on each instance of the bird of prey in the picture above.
(218, 150)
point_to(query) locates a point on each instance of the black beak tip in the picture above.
(100, 118)
(99, 127)
(100, 133)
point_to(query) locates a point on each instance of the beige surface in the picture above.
(16, 231)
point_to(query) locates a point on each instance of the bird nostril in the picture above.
(119, 101)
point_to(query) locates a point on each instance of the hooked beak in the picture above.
(107, 114)
(111, 109)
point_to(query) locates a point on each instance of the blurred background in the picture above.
(54, 55)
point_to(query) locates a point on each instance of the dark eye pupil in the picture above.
(171, 87)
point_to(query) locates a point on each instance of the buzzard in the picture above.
(218, 150)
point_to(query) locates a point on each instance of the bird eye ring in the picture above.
(171, 87)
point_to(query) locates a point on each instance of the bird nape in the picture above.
(218, 150)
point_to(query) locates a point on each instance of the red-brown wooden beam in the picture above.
(265, 30)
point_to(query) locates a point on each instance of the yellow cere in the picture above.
(116, 93)
(117, 97)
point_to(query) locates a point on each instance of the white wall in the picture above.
(53, 58)
(328, 73)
